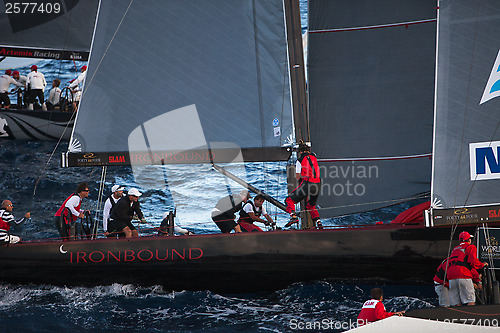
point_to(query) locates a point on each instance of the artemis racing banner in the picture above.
(488, 246)
(9, 51)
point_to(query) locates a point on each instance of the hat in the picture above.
(464, 235)
(245, 193)
(117, 188)
(34, 67)
(8, 72)
(15, 72)
(83, 68)
(133, 191)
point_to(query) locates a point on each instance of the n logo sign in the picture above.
(484, 160)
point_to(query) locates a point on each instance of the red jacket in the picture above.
(309, 168)
(373, 310)
(462, 260)
(440, 274)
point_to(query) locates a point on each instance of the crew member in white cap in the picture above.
(37, 83)
(76, 86)
(120, 219)
(111, 200)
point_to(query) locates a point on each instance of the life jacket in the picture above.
(60, 210)
(458, 256)
(309, 168)
(371, 311)
(245, 217)
(4, 225)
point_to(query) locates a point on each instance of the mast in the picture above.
(298, 89)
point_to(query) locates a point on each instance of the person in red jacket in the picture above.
(374, 310)
(441, 284)
(463, 260)
(307, 172)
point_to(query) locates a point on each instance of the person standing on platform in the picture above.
(462, 261)
(5, 81)
(65, 218)
(111, 200)
(36, 82)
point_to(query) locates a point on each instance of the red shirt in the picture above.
(372, 310)
(462, 260)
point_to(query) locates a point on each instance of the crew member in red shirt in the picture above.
(463, 260)
(441, 284)
(374, 310)
(307, 172)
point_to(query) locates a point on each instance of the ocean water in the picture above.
(31, 177)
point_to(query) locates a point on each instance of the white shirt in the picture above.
(36, 80)
(22, 80)
(107, 210)
(6, 81)
(72, 203)
(248, 208)
(54, 95)
(79, 81)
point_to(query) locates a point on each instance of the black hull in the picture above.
(35, 125)
(232, 263)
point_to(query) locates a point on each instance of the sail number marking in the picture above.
(32, 8)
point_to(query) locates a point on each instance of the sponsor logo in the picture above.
(484, 162)
(137, 256)
(186, 157)
(117, 159)
(89, 158)
(492, 88)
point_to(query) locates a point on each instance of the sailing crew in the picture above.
(6, 220)
(5, 81)
(462, 261)
(307, 172)
(224, 211)
(54, 95)
(36, 82)
(21, 94)
(120, 218)
(76, 86)
(374, 309)
(70, 211)
(111, 200)
(441, 284)
(251, 213)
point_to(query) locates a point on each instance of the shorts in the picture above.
(461, 291)
(119, 225)
(443, 295)
(4, 99)
(225, 222)
(249, 227)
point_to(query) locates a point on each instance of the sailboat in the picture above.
(226, 86)
(59, 30)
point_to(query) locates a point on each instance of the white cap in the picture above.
(135, 192)
(117, 188)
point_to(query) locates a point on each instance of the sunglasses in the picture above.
(85, 190)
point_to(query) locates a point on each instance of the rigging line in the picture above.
(370, 27)
(466, 104)
(107, 48)
(50, 157)
(65, 36)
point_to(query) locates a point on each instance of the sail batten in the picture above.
(227, 59)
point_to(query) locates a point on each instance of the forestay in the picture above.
(467, 137)
(185, 82)
(60, 29)
(371, 94)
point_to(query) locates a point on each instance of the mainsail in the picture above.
(60, 29)
(466, 169)
(185, 82)
(371, 92)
